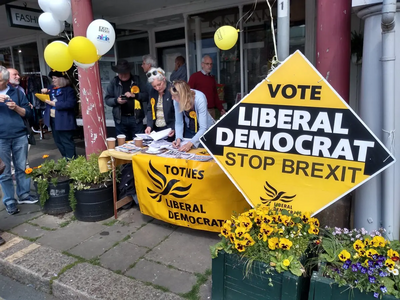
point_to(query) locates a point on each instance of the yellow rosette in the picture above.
(135, 89)
(193, 115)
(137, 104)
(153, 103)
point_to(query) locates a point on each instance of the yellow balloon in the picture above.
(57, 56)
(82, 50)
(226, 37)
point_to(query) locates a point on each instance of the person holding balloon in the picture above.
(160, 109)
(191, 116)
(60, 113)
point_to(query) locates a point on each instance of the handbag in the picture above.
(2, 166)
(29, 132)
(29, 135)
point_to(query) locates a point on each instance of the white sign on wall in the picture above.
(356, 3)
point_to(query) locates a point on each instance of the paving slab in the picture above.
(28, 212)
(69, 236)
(102, 241)
(28, 231)
(205, 290)
(52, 222)
(175, 280)
(13, 244)
(122, 256)
(151, 234)
(87, 282)
(186, 249)
(134, 217)
(30, 263)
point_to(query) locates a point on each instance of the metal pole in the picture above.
(241, 49)
(388, 97)
(283, 29)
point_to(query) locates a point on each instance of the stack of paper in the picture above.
(155, 135)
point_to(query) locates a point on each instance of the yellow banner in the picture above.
(186, 193)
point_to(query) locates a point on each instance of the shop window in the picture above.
(5, 57)
(26, 58)
(129, 48)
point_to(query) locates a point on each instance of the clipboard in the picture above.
(42, 97)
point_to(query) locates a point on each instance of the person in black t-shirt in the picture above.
(125, 94)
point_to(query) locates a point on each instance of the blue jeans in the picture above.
(19, 149)
(129, 127)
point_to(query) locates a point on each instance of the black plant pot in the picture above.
(94, 205)
(58, 202)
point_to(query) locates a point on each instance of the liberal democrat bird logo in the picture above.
(275, 195)
(167, 188)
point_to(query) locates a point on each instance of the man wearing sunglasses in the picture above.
(204, 82)
(121, 94)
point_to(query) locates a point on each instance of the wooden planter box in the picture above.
(322, 288)
(230, 283)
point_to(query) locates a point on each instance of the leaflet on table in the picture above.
(155, 135)
(176, 154)
(128, 148)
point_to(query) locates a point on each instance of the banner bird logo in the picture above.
(166, 188)
(275, 195)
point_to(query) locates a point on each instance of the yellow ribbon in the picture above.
(153, 103)
(137, 104)
(193, 115)
(135, 89)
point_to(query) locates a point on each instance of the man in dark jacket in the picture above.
(125, 94)
(13, 140)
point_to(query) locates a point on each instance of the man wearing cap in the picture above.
(125, 94)
(13, 140)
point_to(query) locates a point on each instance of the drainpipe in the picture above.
(283, 29)
(388, 99)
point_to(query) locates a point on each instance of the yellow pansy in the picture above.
(240, 245)
(358, 245)
(313, 229)
(391, 253)
(225, 230)
(240, 231)
(285, 244)
(390, 264)
(371, 252)
(378, 241)
(314, 221)
(249, 240)
(344, 255)
(305, 217)
(266, 229)
(245, 222)
(273, 243)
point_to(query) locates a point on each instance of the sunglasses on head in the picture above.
(154, 73)
(173, 88)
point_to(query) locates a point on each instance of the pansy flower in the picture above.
(273, 243)
(285, 244)
(344, 255)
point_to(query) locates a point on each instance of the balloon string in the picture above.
(275, 61)
(252, 12)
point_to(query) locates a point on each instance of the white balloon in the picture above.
(83, 66)
(49, 24)
(44, 5)
(69, 19)
(61, 9)
(101, 33)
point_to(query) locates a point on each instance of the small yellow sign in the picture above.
(294, 142)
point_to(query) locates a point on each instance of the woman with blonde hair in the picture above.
(160, 109)
(192, 118)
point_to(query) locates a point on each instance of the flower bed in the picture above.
(365, 262)
(265, 248)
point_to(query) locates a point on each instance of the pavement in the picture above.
(132, 257)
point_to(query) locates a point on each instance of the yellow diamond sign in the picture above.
(294, 143)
